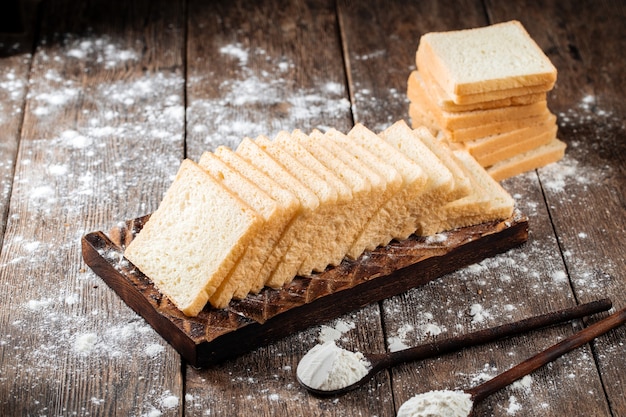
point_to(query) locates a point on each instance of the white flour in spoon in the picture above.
(444, 403)
(328, 367)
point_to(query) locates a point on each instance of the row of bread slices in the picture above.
(238, 221)
(485, 89)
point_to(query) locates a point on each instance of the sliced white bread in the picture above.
(514, 93)
(466, 119)
(496, 57)
(292, 237)
(488, 201)
(527, 161)
(257, 252)
(355, 212)
(461, 181)
(422, 117)
(287, 202)
(332, 251)
(385, 180)
(524, 144)
(398, 218)
(440, 188)
(194, 238)
(312, 237)
(493, 143)
(416, 85)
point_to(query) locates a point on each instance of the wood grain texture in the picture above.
(586, 192)
(115, 98)
(258, 69)
(508, 286)
(105, 97)
(15, 59)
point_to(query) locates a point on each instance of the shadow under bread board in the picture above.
(219, 334)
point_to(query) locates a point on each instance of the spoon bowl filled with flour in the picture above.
(328, 368)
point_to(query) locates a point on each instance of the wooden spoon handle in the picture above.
(459, 342)
(533, 363)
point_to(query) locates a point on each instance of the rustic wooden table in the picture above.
(99, 103)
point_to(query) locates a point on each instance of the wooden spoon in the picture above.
(382, 361)
(447, 399)
(533, 363)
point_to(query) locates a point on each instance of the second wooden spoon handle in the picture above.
(542, 358)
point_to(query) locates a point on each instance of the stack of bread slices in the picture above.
(237, 221)
(485, 90)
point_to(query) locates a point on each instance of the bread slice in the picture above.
(331, 251)
(416, 85)
(286, 201)
(354, 213)
(527, 161)
(440, 188)
(492, 143)
(422, 117)
(194, 238)
(461, 182)
(276, 218)
(467, 119)
(313, 236)
(487, 202)
(398, 218)
(385, 180)
(288, 250)
(497, 57)
(524, 144)
(515, 93)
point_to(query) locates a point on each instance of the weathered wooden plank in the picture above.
(586, 191)
(381, 40)
(257, 68)
(102, 136)
(523, 282)
(15, 58)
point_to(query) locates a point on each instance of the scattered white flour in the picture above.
(85, 343)
(101, 50)
(153, 350)
(523, 384)
(436, 238)
(329, 367)
(37, 305)
(431, 329)
(237, 51)
(169, 401)
(252, 94)
(514, 406)
(478, 313)
(398, 341)
(331, 334)
(153, 412)
(560, 277)
(12, 92)
(443, 403)
(559, 176)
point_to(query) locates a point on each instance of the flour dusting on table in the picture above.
(255, 93)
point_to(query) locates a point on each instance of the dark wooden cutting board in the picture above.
(218, 334)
